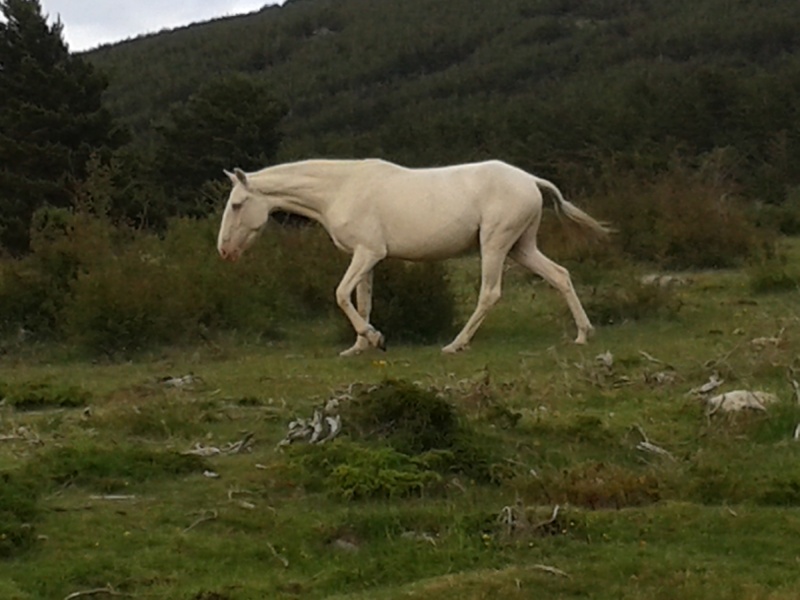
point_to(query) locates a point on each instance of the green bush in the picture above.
(413, 302)
(35, 288)
(18, 510)
(628, 299)
(420, 423)
(110, 469)
(679, 220)
(37, 395)
(773, 276)
(354, 471)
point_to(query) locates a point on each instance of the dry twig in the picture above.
(284, 561)
(647, 446)
(551, 570)
(108, 591)
(208, 515)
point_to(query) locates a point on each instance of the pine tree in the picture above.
(51, 119)
(230, 122)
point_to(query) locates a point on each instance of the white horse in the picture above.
(374, 209)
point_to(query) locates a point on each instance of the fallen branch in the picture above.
(650, 357)
(113, 497)
(551, 520)
(551, 570)
(108, 590)
(208, 515)
(240, 446)
(647, 446)
(713, 383)
(284, 561)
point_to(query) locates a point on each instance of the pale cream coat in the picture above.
(374, 209)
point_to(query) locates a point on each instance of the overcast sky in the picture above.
(90, 23)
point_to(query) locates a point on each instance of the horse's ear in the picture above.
(240, 175)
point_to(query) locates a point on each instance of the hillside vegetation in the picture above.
(560, 87)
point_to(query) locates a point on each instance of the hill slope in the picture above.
(541, 84)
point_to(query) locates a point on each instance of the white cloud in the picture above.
(90, 23)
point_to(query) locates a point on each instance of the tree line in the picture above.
(567, 89)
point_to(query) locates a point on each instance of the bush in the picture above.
(34, 289)
(412, 302)
(773, 276)
(37, 396)
(628, 299)
(18, 509)
(353, 471)
(680, 220)
(110, 469)
(401, 440)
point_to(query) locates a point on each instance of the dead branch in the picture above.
(551, 570)
(113, 497)
(240, 446)
(284, 561)
(647, 446)
(713, 383)
(649, 357)
(551, 520)
(108, 591)
(208, 515)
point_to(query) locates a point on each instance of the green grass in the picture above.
(98, 493)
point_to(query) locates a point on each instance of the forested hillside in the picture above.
(561, 87)
(676, 121)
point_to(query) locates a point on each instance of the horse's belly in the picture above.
(432, 243)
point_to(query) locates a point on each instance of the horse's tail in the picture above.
(573, 213)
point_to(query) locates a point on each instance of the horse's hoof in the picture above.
(454, 348)
(376, 339)
(354, 351)
(584, 335)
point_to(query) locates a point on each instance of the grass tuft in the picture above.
(110, 469)
(18, 510)
(40, 396)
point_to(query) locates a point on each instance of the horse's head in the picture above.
(244, 216)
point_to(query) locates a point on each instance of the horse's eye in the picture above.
(236, 207)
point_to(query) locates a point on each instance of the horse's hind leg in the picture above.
(528, 255)
(364, 307)
(491, 289)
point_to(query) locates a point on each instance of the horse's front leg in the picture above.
(364, 307)
(360, 270)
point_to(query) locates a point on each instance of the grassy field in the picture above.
(99, 497)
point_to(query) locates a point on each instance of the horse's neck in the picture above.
(301, 188)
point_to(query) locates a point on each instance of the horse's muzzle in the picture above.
(229, 255)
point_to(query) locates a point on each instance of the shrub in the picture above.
(36, 396)
(353, 471)
(628, 299)
(773, 276)
(18, 509)
(110, 469)
(418, 422)
(35, 288)
(400, 440)
(410, 419)
(680, 220)
(412, 302)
